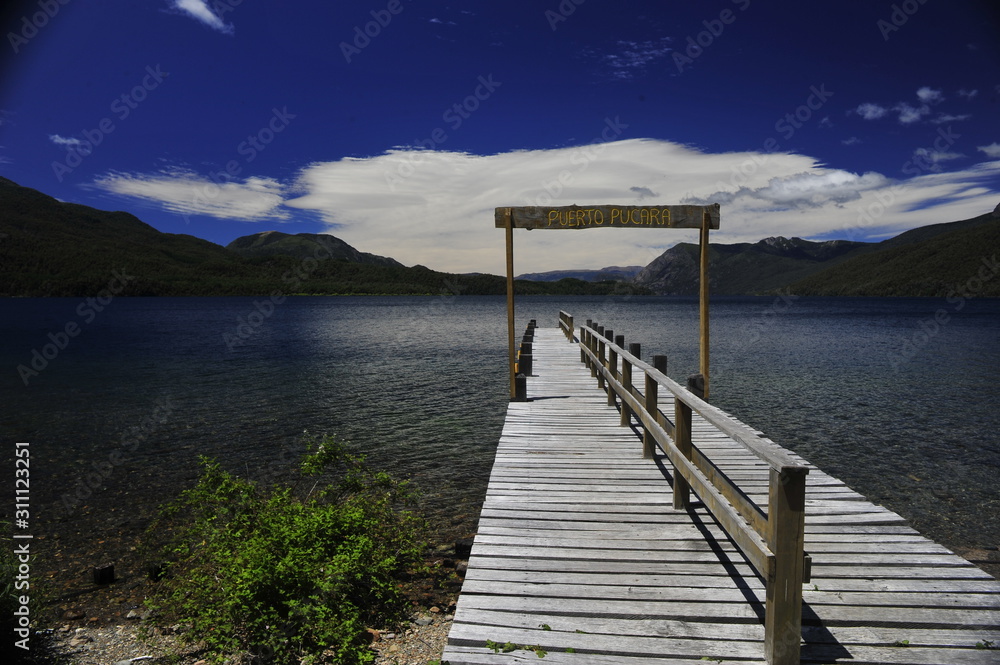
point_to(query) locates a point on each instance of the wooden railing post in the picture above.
(652, 394)
(696, 384)
(634, 348)
(599, 341)
(524, 359)
(682, 439)
(619, 341)
(566, 324)
(520, 388)
(786, 528)
(611, 365)
(587, 339)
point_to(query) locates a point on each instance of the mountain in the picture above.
(619, 273)
(927, 261)
(939, 260)
(744, 268)
(302, 245)
(52, 248)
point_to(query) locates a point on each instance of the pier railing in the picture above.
(772, 539)
(523, 363)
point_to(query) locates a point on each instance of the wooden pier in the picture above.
(582, 557)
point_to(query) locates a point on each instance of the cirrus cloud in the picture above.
(201, 12)
(187, 193)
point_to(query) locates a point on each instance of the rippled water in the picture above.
(421, 385)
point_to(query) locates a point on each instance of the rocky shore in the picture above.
(105, 624)
(418, 642)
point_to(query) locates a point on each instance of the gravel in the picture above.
(411, 644)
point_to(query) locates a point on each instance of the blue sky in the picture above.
(399, 126)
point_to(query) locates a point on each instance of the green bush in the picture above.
(289, 573)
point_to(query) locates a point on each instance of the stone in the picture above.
(73, 615)
(424, 621)
(463, 548)
(104, 574)
(132, 614)
(435, 610)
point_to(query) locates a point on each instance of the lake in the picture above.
(897, 397)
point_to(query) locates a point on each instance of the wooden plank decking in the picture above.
(580, 552)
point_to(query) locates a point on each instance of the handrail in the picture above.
(566, 324)
(772, 541)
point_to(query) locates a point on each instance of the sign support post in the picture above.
(511, 358)
(703, 301)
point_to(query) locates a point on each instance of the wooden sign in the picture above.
(608, 216)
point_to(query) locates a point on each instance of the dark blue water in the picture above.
(875, 391)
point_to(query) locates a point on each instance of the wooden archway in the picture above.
(611, 216)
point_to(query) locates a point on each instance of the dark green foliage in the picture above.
(304, 246)
(925, 265)
(291, 573)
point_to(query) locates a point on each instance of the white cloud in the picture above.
(199, 10)
(853, 140)
(186, 193)
(936, 156)
(929, 96)
(910, 114)
(436, 208)
(907, 114)
(968, 94)
(992, 150)
(65, 140)
(870, 111)
(946, 117)
(808, 189)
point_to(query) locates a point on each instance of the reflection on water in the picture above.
(421, 385)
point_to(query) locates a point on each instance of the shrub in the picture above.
(288, 573)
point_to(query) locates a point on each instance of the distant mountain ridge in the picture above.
(926, 261)
(302, 245)
(744, 268)
(942, 260)
(615, 273)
